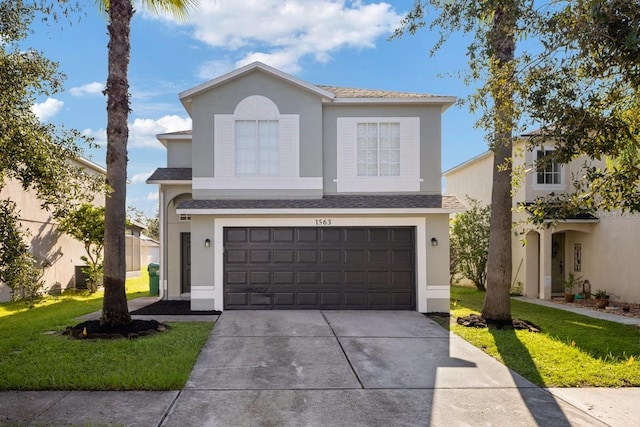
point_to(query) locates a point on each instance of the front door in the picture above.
(557, 263)
(185, 262)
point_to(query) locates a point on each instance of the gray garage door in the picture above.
(319, 267)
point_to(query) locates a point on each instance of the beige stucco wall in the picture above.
(56, 253)
(473, 180)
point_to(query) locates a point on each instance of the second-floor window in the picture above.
(378, 147)
(548, 171)
(256, 142)
(257, 147)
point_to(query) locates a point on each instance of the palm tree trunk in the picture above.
(497, 303)
(114, 307)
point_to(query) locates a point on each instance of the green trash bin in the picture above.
(154, 278)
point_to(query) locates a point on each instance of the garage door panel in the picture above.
(259, 298)
(378, 299)
(284, 277)
(319, 267)
(307, 256)
(307, 298)
(260, 278)
(281, 235)
(283, 299)
(283, 256)
(258, 235)
(236, 277)
(260, 256)
(354, 256)
(354, 299)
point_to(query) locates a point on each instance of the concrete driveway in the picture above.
(355, 368)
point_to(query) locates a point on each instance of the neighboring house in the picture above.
(600, 248)
(149, 251)
(290, 195)
(57, 254)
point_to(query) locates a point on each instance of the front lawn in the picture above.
(34, 356)
(571, 351)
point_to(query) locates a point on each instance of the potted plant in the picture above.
(569, 284)
(602, 299)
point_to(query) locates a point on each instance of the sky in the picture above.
(328, 42)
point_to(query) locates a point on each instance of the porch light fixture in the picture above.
(207, 243)
(434, 241)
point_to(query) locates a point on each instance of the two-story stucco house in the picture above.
(599, 247)
(288, 195)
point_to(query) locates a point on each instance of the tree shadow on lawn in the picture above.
(516, 356)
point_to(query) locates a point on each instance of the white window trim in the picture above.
(348, 181)
(255, 108)
(546, 187)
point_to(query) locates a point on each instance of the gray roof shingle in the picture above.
(415, 201)
(171, 174)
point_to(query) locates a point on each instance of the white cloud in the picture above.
(153, 196)
(47, 109)
(99, 136)
(94, 88)
(140, 177)
(281, 33)
(142, 132)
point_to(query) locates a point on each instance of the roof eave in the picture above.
(169, 181)
(317, 211)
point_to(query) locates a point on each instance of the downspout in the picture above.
(161, 231)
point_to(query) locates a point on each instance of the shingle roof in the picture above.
(416, 201)
(348, 92)
(171, 174)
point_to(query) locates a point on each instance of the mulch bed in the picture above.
(476, 321)
(92, 329)
(172, 307)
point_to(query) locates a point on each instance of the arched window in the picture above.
(256, 141)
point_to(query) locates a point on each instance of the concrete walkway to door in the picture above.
(355, 368)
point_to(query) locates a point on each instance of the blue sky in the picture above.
(331, 42)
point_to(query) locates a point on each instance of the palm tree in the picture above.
(114, 308)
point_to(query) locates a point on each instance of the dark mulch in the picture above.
(171, 307)
(476, 321)
(92, 329)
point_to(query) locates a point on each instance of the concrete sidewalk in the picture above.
(333, 368)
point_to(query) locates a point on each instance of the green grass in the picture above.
(34, 356)
(571, 351)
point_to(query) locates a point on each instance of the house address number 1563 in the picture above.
(323, 221)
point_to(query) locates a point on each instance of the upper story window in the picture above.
(549, 172)
(378, 154)
(257, 147)
(256, 141)
(379, 149)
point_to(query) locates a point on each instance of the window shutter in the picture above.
(289, 145)
(223, 146)
(410, 148)
(347, 161)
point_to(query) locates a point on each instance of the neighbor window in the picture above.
(549, 171)
(378, 147)
(257, 150)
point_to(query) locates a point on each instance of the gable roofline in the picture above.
(188, 94)
(88, 163)
(468, 163)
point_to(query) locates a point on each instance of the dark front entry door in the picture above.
(319, 267)
(185, 262)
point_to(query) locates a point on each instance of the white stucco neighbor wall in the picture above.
(432, 266)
